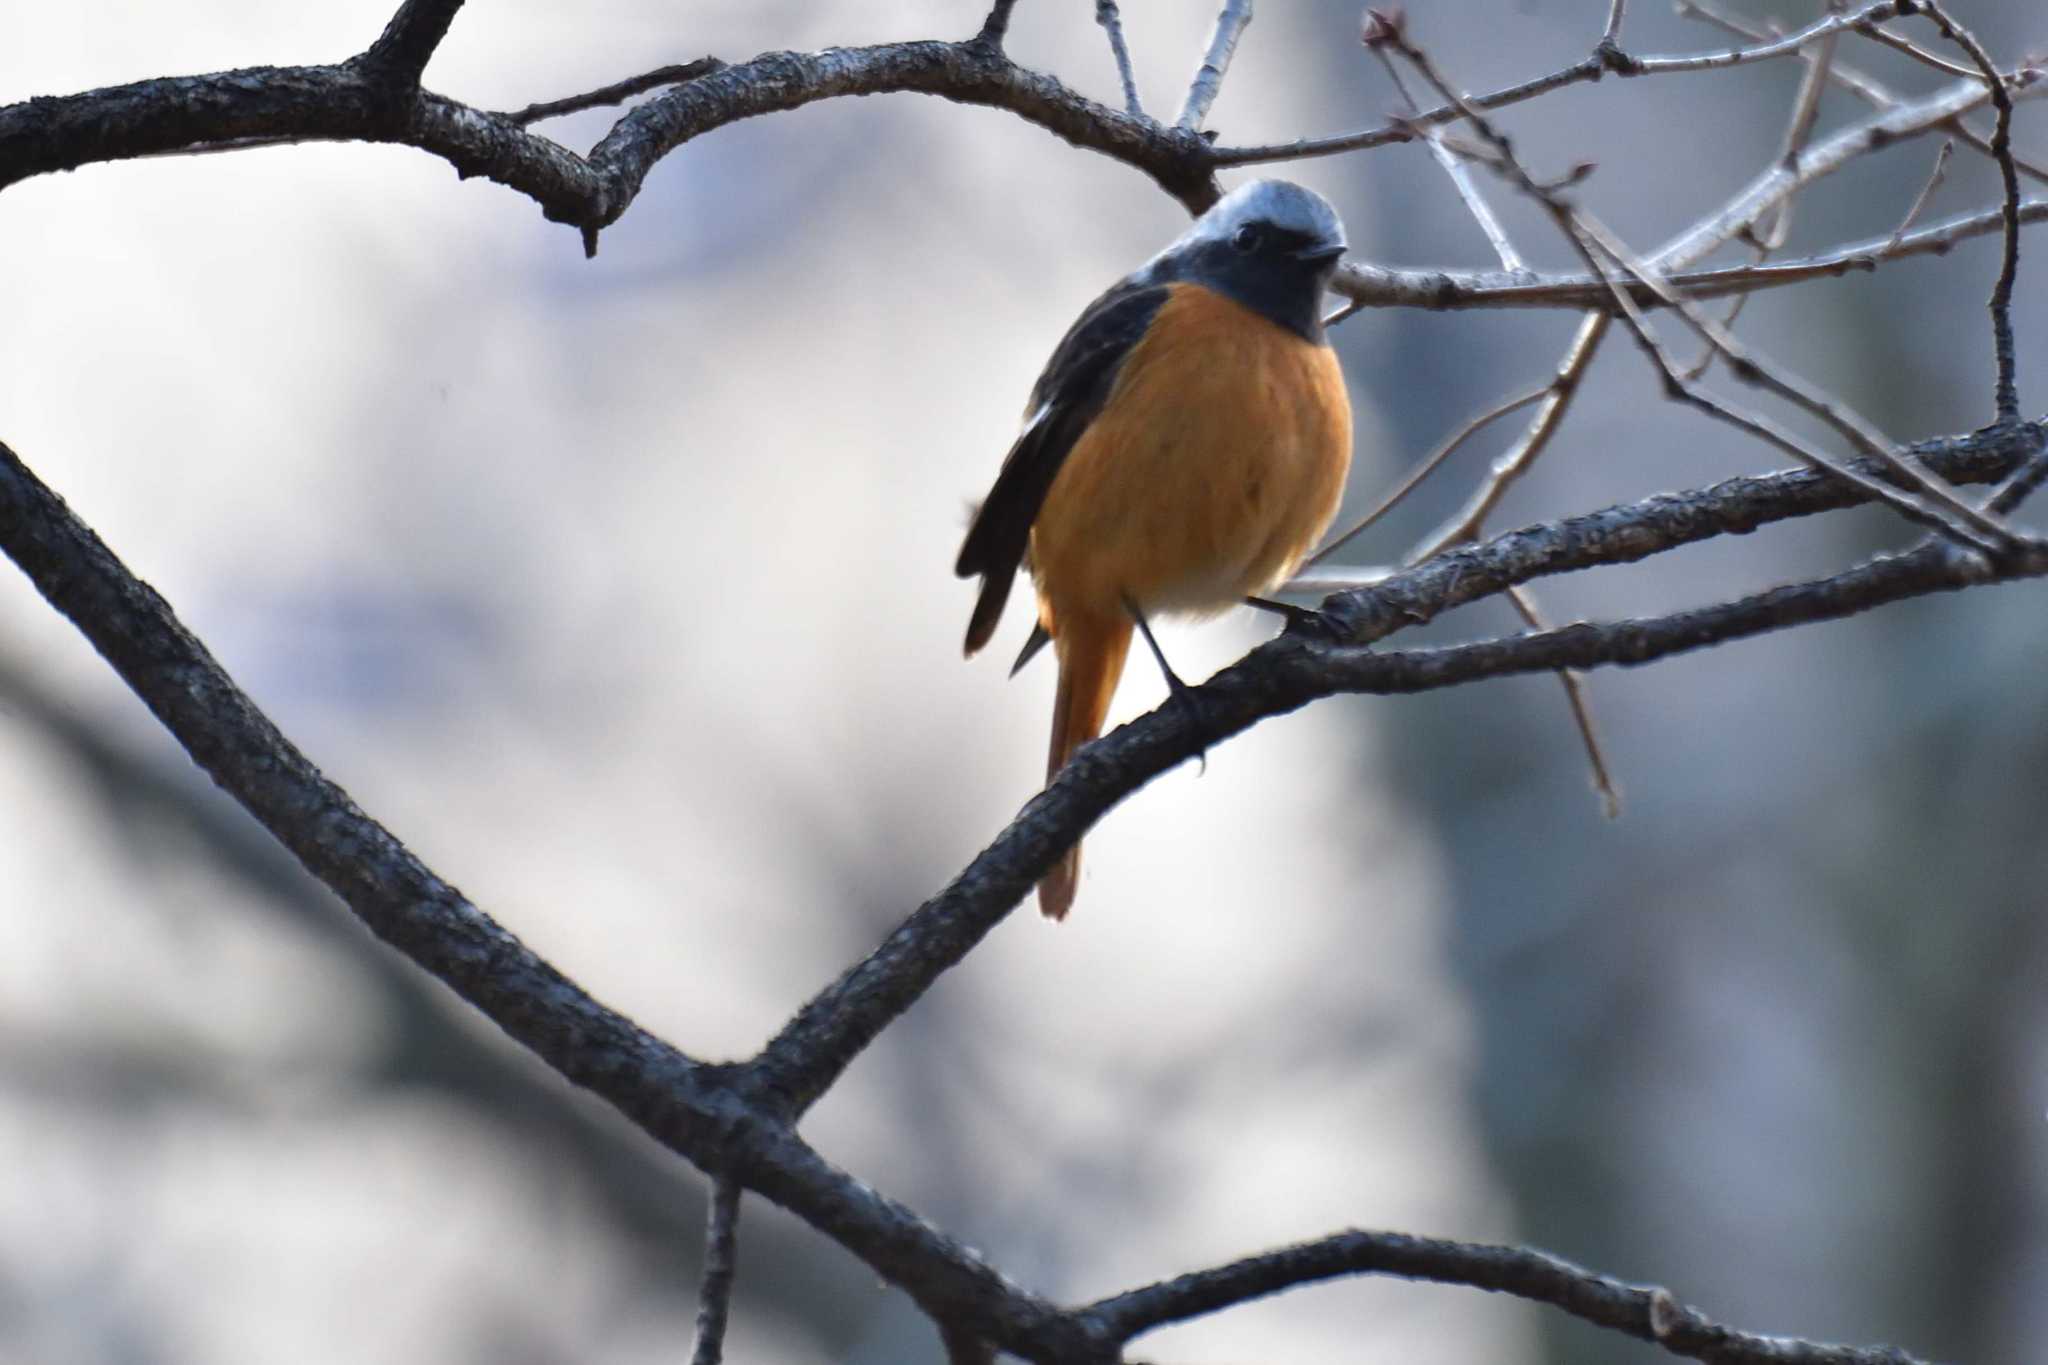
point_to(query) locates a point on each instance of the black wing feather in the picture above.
(1071, 391)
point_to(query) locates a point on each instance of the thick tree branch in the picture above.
(693, 1108)
(720, 1117)
(352, 103)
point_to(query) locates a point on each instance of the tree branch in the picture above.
(407, 43)
(1208, 78)
(350, 103)
(616, 93)
(1113, 27)
(1641, 1311)
(694, 1109)
(1606, 58)
(721, 1265)
(721, 1118)
(1370, 286)
(824, 1037)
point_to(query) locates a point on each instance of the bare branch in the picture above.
(1377, 286)
(692, 1108)
(1516, 460)
(407, 43)
(1856, 82)
(1806, 104)
(1647, 1313)
(1929, 503)
(1921, 499)
(1113, 24)
(1823, 158)
(343, 103)
(1899, 42)
(618, 92)
(721, 1265)
(1422, 471)
(1208, 78)
(1592, 68)
(836, 1025)
(1927, 190)
(1455, 167)
(2006, 398)
(1574, 682)
(996, 27)
(705, 1113)
(1617, 10)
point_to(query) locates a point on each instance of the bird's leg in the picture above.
(1178, 690)
(1305, 620)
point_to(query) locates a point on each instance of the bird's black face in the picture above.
(1278, 271)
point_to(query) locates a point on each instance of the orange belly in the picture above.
(1216, 465)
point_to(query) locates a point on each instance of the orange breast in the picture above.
(1212, 470)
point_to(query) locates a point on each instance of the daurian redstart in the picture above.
(1184, 449)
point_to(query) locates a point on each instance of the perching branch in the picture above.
(734, 1119)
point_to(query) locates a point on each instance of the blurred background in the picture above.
(621, 588)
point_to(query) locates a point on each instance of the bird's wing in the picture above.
(1066, 398)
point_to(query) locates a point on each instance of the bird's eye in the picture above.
(1248, 238)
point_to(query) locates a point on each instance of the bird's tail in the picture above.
(1091, 652)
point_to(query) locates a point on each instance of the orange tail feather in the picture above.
(1091, 654)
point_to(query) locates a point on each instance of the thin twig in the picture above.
(1454, 166)
(1928, 503)
(1770, 188)
(1617, 10)
(1806, 104)
(1518, 458)
(1591, 69)
(2006, 396)
(721, 1267)
(1704, 361)
(1927, 190)
(1574, 682)
(1208, 78)
(1422, 471)
(1646, 1312)
(1857, 82)
(618, 92)
(1820, 60)
(1113, 24)
(1899, 42)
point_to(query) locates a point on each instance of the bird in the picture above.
(1184, 448)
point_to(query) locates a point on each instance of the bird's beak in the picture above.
(1322, 253)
